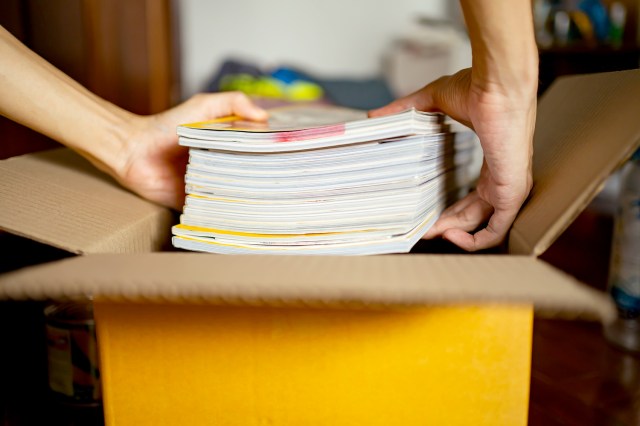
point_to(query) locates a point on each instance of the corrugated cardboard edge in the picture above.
(587, 126)
(368, 281)
(58, 198)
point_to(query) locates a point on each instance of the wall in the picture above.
(330, 38)
(121, 50)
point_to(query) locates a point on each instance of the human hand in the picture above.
(153, 164)
(504, 120)
(140, 152)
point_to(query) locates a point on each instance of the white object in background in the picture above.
(429, 50)
(561, 26)
(606, 201)
(328, 39)
(625, 261)
(541, 12)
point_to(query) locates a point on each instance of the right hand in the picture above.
(504, 120)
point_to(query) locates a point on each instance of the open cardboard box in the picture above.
(189, 338)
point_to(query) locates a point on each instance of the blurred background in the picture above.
(149, 55)
(334, 40)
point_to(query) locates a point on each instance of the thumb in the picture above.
(421, 100)
(243, 106)
(224, 104)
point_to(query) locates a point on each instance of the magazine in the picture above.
(307, 127)
(318, 180)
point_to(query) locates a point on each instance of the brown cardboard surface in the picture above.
(369, 281)
(58, 198)
(586, 127)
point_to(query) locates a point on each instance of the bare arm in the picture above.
(505, 56)
(497, 98)
(141, 152)
(38, 95)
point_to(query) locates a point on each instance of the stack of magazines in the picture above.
(318, 179)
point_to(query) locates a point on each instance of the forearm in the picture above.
(503, 43)
(37, 95)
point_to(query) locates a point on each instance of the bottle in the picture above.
(74, 377)
(624, 277)
(618, 18)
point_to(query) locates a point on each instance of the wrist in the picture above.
(515, 75)
(113, 129)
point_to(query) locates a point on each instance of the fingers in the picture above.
(466, 215)
(460, 204)
(229, 103)
(463, 217)
(492, 235)
(448, 95)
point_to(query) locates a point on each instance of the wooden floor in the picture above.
(577, 378)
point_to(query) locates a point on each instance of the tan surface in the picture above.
(58, 198)
(586, 127)
(318, 281)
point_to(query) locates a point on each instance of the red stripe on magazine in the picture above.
(305, 134)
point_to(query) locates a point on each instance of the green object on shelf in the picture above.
(269, 87)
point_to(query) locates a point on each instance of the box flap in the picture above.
(587, 126)
(313, 280)
(58, 198)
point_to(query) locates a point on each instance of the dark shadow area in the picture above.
(18, 252)
(25, 398)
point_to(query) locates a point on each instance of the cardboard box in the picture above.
(189, 338)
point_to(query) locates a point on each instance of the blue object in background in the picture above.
(288, 75)
(366, 94)
(597, 13)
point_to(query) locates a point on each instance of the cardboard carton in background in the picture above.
(397, 339)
